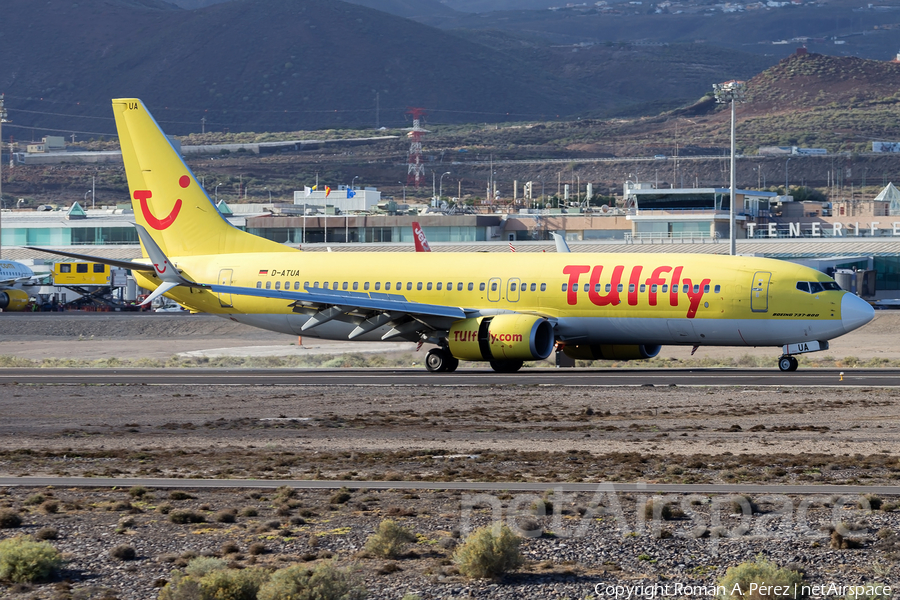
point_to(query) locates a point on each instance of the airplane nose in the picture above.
(855, 312)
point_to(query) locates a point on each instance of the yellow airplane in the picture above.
(504, 308)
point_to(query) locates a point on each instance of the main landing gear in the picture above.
(788, 363)
(439, 360)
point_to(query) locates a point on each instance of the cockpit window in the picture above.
(814, 287)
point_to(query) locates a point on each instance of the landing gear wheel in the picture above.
(786, 362)
(440, 360)
(507, 366)
(794, 364)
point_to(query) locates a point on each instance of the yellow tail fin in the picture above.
(167, 199)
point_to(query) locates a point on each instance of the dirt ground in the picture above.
(532, 433)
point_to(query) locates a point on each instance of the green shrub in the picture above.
(34, 500)
(760, 572)
(300, 582)
(23, 560)
(123, 552)
(220, 584)
(203, 565)
(341, 496)
(179, 495)
(489, 551)
(9, 519)
(181, 517)
(389, 539)
(137, 491)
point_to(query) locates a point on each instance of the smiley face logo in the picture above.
(159, 224)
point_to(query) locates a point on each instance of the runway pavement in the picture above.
(491, 486)
(419, 377)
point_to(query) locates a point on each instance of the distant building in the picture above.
(50, 143)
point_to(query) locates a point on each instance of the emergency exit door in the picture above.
(225, 279)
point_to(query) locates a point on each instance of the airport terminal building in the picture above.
(860, 233)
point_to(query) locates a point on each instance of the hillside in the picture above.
(410, 9)
(261, 65)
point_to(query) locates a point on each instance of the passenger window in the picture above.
(297, 285)
(387, 286)
(81, 268)
(419, 286)
(686, 288)
(494, 287)
(630, 288)
(459, 286)
(335, 286)
(277, 285)
(481, 287)
(399, 286)
(565, 287)
(512, 287)
(652, 288)
(815, 287)
(449, 286)
(268, 285)
(471, 286)
(665, 288)
(706, 289)
(344, 286)
(65, 268)
(409, 286)
(696, 289)
(428, 286)
(438, 286)
(325, 285)
(533, 287)
(355, 285)
(608, 287)
(305, 284)
(287, 285)
(643, 288)
(98, 268)
(377, 285)
(717, 289)
(258, 284)
(366, 286)
(620, 288)
(543, 287)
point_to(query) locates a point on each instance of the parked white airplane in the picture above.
(14, 275)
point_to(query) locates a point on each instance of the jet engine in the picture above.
(605, 352)
(502, 337)
(13, 300)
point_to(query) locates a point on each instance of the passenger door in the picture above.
(225, 279)
(759, 291)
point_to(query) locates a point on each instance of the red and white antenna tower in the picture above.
(415, 171)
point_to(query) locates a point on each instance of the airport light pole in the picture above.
(441, 186)
(355, 177)
(3, 120)
(217, 192)
(730, 91)
(786, 192)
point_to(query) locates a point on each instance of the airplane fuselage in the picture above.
(655, 299)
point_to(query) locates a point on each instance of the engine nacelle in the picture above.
(607, 352)
(502, 337)
(13, 300)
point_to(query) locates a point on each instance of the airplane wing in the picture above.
(368, 311)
